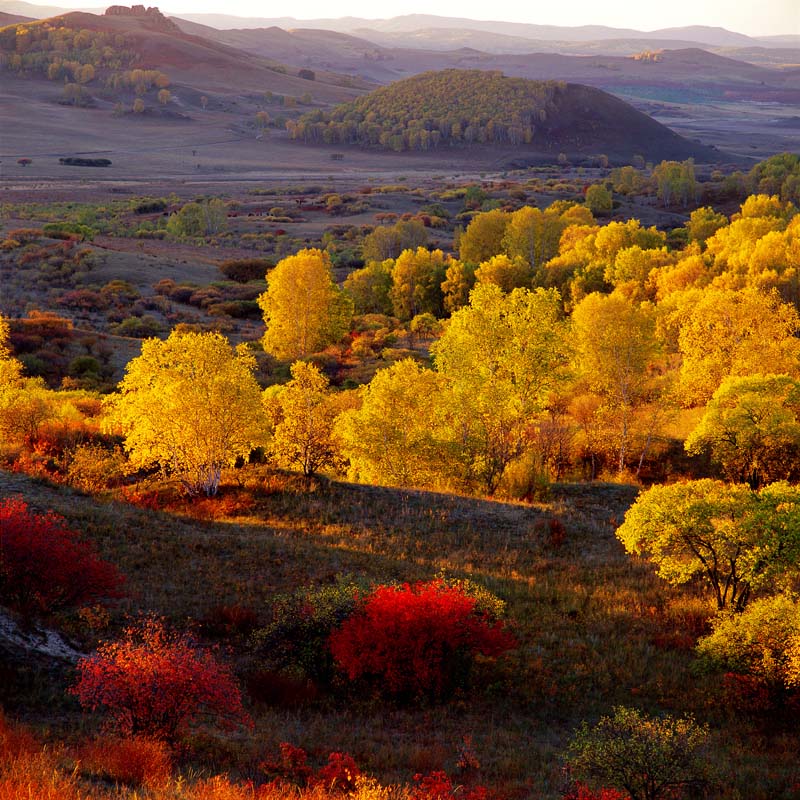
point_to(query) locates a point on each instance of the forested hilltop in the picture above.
(476, 107)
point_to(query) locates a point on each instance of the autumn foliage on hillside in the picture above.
(445, 107)
(157, 683)
(45, 567)
(417, 640)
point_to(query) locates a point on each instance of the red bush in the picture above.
(45, 567)
(339, 774)
(153, 682)
(417, 640)
(439, 786)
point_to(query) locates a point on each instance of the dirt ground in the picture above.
(213, 147)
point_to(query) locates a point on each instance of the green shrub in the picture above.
(649, 757)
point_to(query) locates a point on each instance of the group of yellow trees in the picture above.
(635, 332)
(77, 57)
(567, 343)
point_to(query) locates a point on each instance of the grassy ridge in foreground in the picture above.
(596, 628)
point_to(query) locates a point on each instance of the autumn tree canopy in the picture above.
(191, 406)
(303, 308)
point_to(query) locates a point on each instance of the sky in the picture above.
(765, 17)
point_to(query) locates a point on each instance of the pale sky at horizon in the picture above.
(769, 17)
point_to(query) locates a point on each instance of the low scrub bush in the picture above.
(243, 270)
(94, 468)
(297, 638)
(339, 775)
(650, 758)
(157, 683)
(418, 640)
(44, 567)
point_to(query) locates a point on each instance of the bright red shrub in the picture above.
(439, 786)
(417, 640)
(44, 567)
(153, 682)
(339, 774)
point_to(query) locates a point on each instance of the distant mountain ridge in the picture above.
(410, 23)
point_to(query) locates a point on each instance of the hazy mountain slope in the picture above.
(202, 63)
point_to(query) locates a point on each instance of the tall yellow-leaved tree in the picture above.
(303, 308)
(190, 405)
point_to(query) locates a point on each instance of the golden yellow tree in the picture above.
(500, 356)
(484, 236)
(505, 272)
(727, 332)
(615, 345)
(303, 412)
(191, 406)
(303, 308)
(417, 278)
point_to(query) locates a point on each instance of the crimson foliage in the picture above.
(417, 640)
(156, 683)
(44, 567)
(338, 775)
(439, 786)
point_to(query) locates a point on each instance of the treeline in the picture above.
(436, 108)
(60, 53)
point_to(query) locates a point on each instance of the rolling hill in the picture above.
(469, 108)
(156, 43)
(684, 73)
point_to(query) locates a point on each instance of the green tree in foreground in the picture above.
(303, 308)
(732, 538)
(649, 757)
(191, 406)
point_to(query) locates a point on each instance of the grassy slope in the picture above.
(596, 627)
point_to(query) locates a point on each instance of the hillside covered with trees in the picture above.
(477, 107)
(508, 513)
